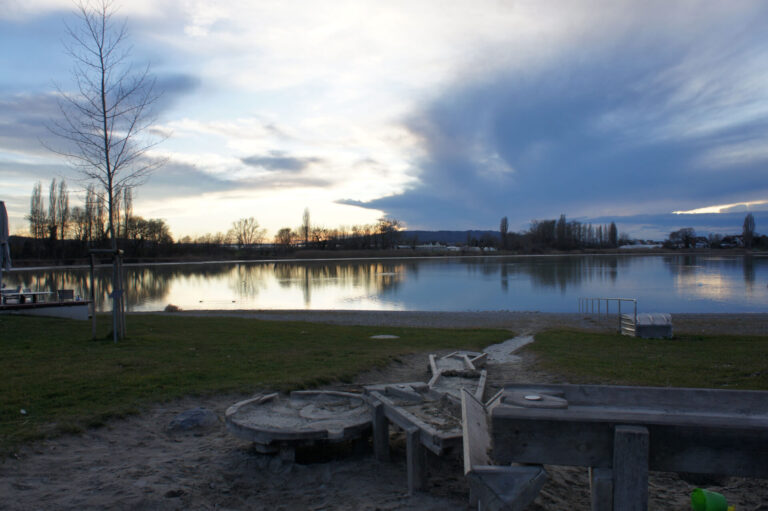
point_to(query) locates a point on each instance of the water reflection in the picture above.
(565, 271)
(714, 278)
(515, 283)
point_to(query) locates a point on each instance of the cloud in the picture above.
(625, 127)
(23, 121)
(278, 161)
(179, 180)
(658, 226)
(172, 87)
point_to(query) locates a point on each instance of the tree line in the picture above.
(87, 224)
(559, 234)
(749, 238)
(246, 232)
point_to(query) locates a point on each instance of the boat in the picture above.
(39, 303)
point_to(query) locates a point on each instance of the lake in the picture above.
(660, 283)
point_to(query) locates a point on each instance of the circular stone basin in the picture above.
(302, 418)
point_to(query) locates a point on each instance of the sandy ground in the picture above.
(137, 463)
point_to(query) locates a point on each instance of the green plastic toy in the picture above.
(705, 500)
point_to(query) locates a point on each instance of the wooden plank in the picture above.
(747, 403)
(630, 468)
(403, 392)
(480, 390)
(480, 360)
(737, 452)
(476, 438)
(433, 365)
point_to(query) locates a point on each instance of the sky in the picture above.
(441, 114)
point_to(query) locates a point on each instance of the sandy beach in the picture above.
(136, 463)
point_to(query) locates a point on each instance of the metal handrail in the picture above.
(587, 305)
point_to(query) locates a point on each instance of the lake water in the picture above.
(661, 283)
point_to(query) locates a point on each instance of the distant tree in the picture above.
(62, 209)
(37, 217)
(684, 236)
(748, 231)
(487, 240)
(154, 230)
(127, 209)
(503, 230)
(715, 240)
(246, 231)
(305, 226)
(613, 235)
(623, 239)
(53, 219)
(542, 232)
(388, 231)
(284, 236)
(560, 232)
(78, 224)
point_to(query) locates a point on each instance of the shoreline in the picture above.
(745, 323)
(390, 255)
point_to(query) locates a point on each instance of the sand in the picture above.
(136, 463)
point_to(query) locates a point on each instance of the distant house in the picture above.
(431, 247)
(700, 242)
(735, 241)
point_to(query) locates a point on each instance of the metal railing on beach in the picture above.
(594, 305)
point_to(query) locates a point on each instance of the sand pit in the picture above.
(276, 423)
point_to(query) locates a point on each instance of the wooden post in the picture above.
(630, 468)
(115, 299)
(601, 488)
(93, 298)
(380, 432)
(416, 460)
(121, 283)
(619, 316)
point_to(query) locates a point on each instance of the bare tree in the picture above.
(613, 238)
(53, 219)
(748, 232)
(504, 230)
(127, 209)
(284, 236)
(62, 209)
(105, 123)
(37, 212)
(305, 227)
(246, 231)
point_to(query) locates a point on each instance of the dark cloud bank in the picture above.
(604, 129)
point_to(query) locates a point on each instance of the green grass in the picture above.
(732, 362)
(66, 382)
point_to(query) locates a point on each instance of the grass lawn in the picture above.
(717, 361)
(65, 381)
